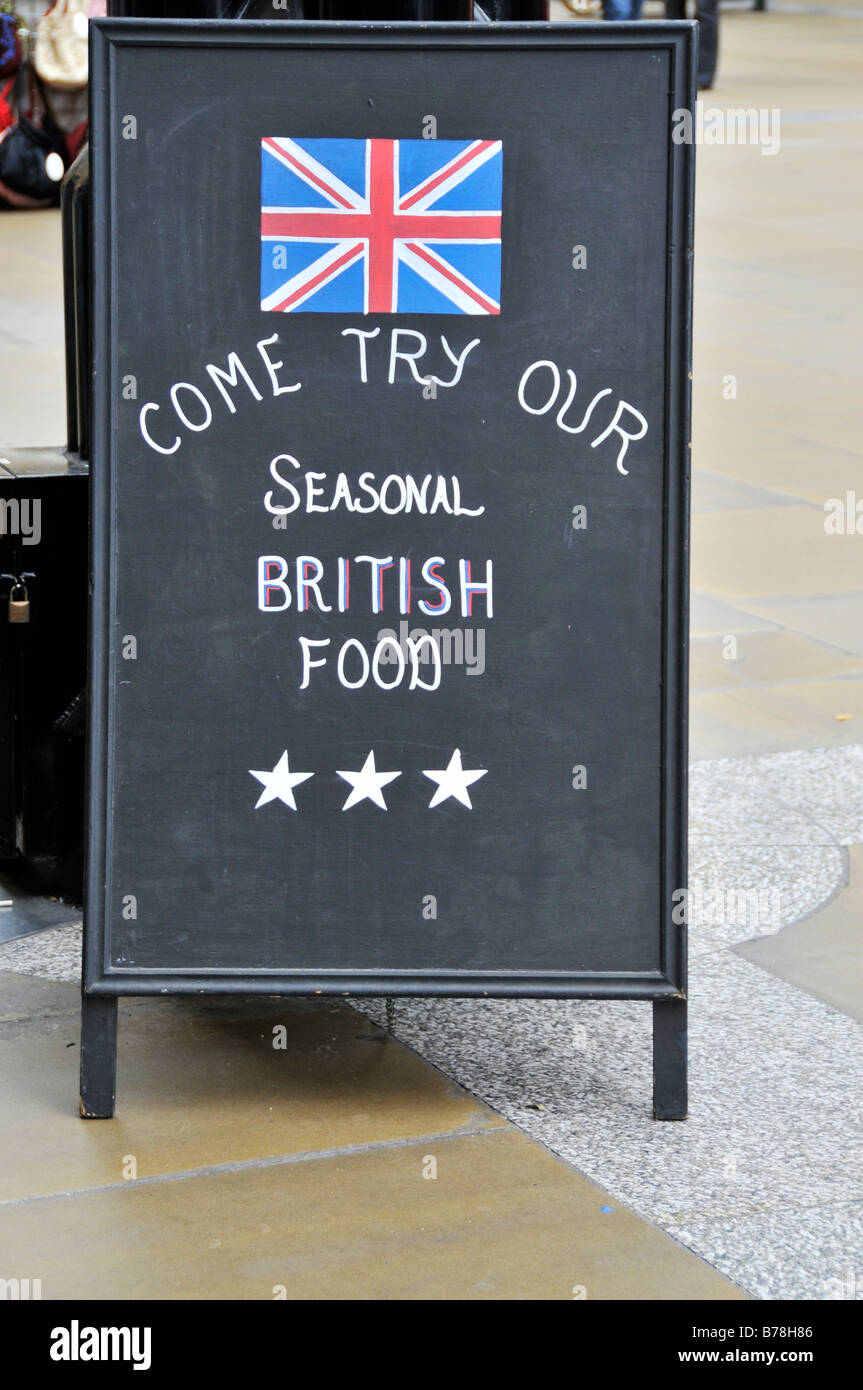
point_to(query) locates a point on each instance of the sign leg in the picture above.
(98, 1056)
(669, 1059)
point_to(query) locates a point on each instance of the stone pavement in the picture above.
(324, 1193)
(32, 359)
(778, 310)
(342, 1166)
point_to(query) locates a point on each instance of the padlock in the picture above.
(19, 608)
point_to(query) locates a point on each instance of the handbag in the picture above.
(32, 165)
(60, 56)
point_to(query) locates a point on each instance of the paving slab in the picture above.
(811, 1254)
(32, 357)
(342, 1167)
(766, 658)
(713, 617)
(713, 493)
(782, 334)
(773, 551)
(838, 621)
(822, 954)
(502, 1219)
(35, 233)
(200, 1081)
(24, 998)
(759, 719)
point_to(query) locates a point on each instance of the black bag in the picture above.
(32, 165)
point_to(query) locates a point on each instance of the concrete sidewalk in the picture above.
(342, 1167)
(776, 397)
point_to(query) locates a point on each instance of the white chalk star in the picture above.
(454, 780)
(367, 784)
(279, 784)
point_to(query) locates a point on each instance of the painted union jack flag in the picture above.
(380, 226)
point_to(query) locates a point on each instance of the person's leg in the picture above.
(707, 14)
(675, 9)
(617, 9)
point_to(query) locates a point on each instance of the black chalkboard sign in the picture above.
(389, 511)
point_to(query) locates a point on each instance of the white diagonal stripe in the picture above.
(311, 271)
(319, 170)
(440, 282)
(424, 203)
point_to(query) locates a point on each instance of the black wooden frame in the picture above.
(665, 987)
